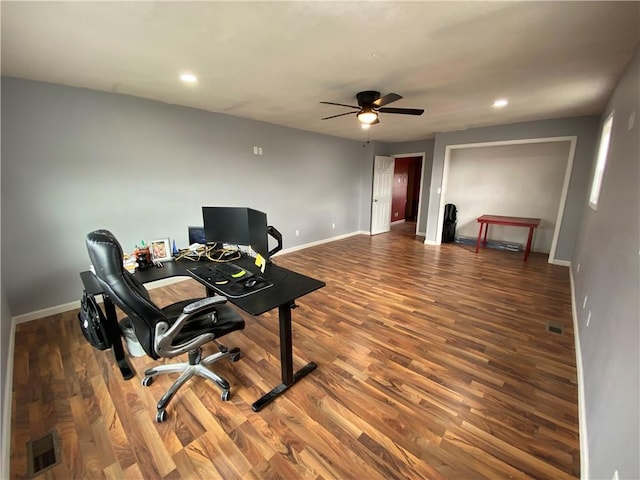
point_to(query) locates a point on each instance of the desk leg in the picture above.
(113, 330)
(479, 236)
(528, 249)
(289, 378)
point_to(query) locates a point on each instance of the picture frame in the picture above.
(160, 250)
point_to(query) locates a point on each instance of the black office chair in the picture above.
(169, 331)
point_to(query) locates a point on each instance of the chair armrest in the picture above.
(198, 306)
(164, 334)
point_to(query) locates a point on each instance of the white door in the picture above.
(382, 194)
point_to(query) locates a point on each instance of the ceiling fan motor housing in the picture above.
(367, 98)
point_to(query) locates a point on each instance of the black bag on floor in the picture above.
(92, 322)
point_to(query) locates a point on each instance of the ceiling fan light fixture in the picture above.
(365, 126)
(367, 116)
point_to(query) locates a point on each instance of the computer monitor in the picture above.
(196, 235)
(237, 226)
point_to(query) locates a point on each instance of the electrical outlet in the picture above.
(584, 302)
(255, 150)
(588, 318)
(333, 225)
(578, 268)
(297, 233)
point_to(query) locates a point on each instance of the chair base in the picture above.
(195, 366)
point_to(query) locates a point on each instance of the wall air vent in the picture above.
(555, 328)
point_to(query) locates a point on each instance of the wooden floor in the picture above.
(433, 363)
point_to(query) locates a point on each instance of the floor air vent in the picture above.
(555, 328)
(43, 453)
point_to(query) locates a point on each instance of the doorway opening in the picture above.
(406, 189)
(396, 191)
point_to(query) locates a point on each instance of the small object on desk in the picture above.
(142, 257)
(232, 271)
(250, 283)
(261, 263)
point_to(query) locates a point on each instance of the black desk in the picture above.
(287, 287)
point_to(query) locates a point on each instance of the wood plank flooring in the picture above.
(433, 363)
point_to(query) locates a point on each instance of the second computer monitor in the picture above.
(237, 226)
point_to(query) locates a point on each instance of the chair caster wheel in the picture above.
(235, 357)
(146, 381)
(161, 416)
(225, 395)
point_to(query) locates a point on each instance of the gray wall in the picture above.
(584, 128)
(609, 275)
(74, 160)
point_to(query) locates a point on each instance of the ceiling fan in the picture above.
(370, 103)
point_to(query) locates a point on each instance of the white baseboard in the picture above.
(46, 312)
(562, 263)
(320, 242)
(582, 415)
(6, 405)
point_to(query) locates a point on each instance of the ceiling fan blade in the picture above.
(402, 111)
(339, 115)
(340, 105)
(387, 99)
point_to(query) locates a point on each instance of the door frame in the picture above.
(423, 155)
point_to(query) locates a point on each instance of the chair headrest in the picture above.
(105, 252)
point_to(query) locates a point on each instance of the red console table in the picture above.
(486, 220)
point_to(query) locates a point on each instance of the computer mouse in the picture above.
(250, 282)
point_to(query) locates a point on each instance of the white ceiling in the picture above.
(274, 62)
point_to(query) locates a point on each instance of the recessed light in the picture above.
(188, 78)
(502, 102)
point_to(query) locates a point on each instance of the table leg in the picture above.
(113, 330)
(479, 236)
(289, 378)
(528, 249)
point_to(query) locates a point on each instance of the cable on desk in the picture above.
(211, 253)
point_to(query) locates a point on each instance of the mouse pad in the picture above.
(231, 289)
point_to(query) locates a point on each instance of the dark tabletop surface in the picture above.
(287, 285)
